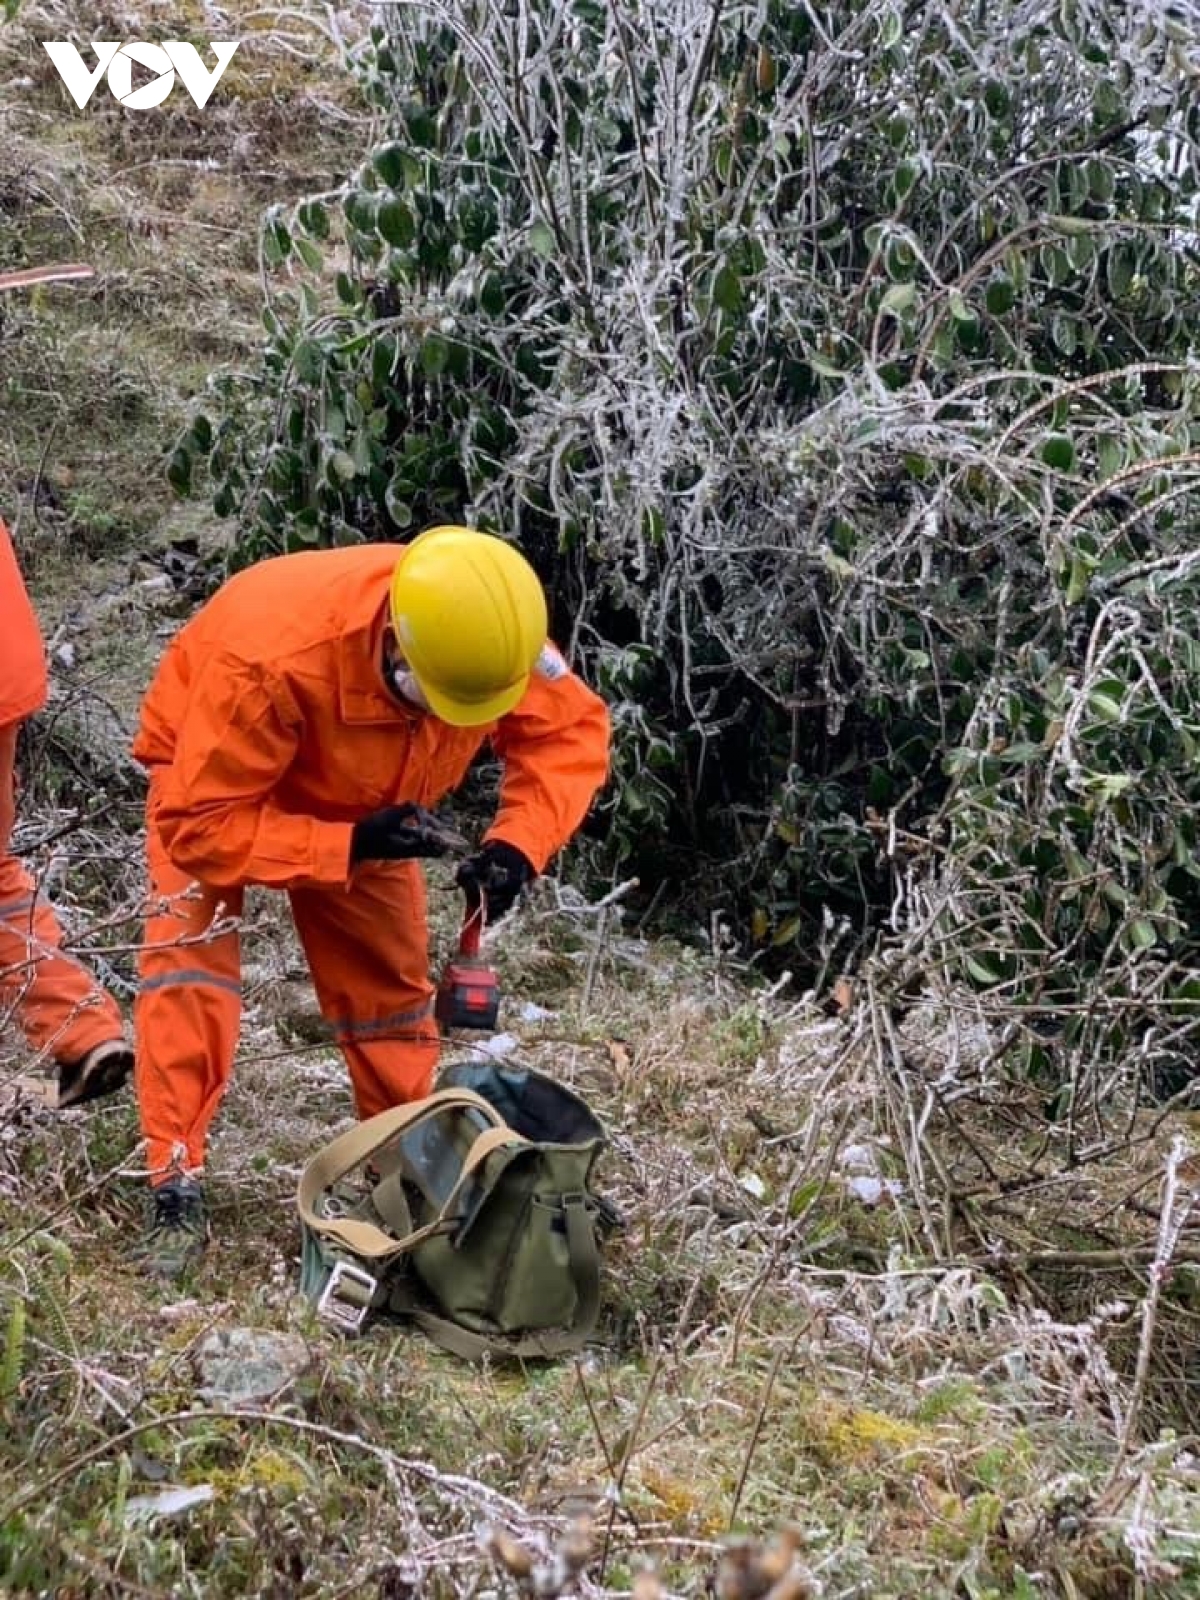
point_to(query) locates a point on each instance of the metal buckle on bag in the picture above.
(347, 1311)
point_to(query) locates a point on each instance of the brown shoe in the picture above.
(102, 1071)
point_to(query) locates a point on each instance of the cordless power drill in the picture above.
(469, 993)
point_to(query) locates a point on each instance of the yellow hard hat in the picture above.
(470, 616)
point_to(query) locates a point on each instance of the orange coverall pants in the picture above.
(367, 951)
(54, 999)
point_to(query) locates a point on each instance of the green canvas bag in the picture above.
(471, 1212)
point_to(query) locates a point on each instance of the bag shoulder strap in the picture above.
(350, 1149)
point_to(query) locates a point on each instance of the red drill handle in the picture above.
(471, 931)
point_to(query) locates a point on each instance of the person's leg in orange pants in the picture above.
(368, 952)
(187, 1013)
(57, 1003)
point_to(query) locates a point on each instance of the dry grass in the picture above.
(98, 378)
(842, 1305)
(776, 1351)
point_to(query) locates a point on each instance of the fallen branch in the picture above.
(30, 277)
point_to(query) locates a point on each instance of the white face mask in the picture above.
(406, 685)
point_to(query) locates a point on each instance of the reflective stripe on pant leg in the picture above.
(57, 1003)
(187, 1012)
(368, 950)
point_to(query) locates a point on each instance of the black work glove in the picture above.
(496, 875)
(401, 833)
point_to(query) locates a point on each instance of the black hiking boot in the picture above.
(102, 1071)
(177, 1230)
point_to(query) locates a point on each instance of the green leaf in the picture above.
(1110, 457)
(1058, 452)
(385, 353)
(541, 239)
(901, 297)
(1101, 180)
(966, 333)
(491, 295)
(905, 175)
(308, 360)
(997, 99)
(898, 259)
(981, 971)
(314, 219)
(1119, 267)
(804, 1196)
(1081, 251)
(306, 529)
(1000, 296)
(1142, 934)
(727, 289)
(364, 456)
(1108, 786)
(395, 499)
(395, 224)
(1108, 102)
(1063, 333)
(388, 162)
(435, 353)
(277, 243)
(1056, 264)
(653, 524)
(421, 125)
(341, 466)
(309, 254)
(1077, 583)
(179, 472)
(360, 210)
(891, 30)
(1104, 707)
(959, 309)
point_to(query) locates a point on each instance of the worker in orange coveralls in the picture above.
(296, 732)
(56, 1002)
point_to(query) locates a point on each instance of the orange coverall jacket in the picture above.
(268, 732)
(22, 658)
(59, 1007)
(277, 733)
